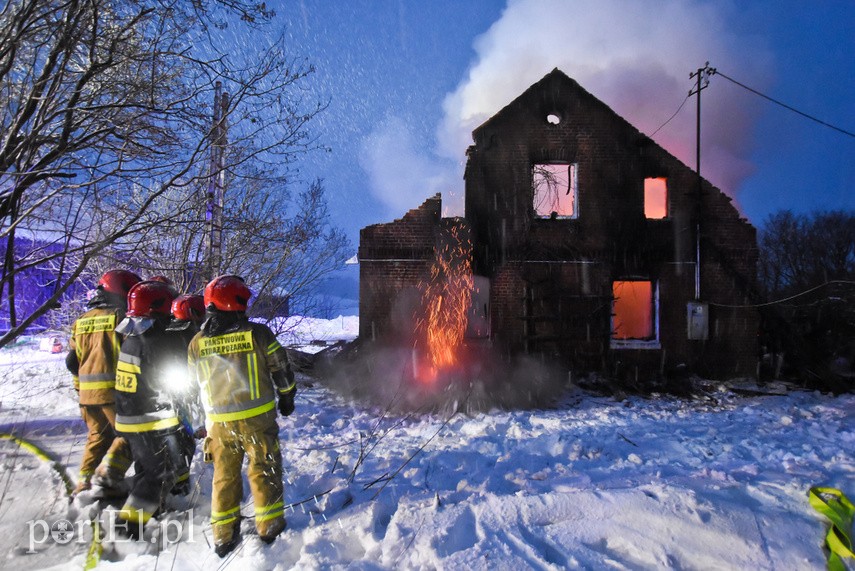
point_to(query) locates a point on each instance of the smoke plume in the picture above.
(634, 56)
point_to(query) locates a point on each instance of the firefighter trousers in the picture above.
(257, 438)
(102, 443)
(158, 464)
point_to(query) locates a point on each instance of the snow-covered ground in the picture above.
(591, 483)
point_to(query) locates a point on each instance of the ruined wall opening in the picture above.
(656, 197)
(635, 309)
(555, 190)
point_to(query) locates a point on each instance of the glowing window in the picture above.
(656, 197)
(634, 312)
(555, 190)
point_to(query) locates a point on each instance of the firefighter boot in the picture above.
(83, 485)
(110, 481)
(223, 549)
(272, 532)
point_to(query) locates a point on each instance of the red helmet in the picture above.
(118, 282)
(150, 299)
(189, 307)
(227, 293)
(167, 281)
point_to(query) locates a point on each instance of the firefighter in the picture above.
(241, 369)
(151, 364)
(187, 314)
(167, 281)
(93, 351)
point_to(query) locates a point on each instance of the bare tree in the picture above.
(798, 252)
(105, 109)
(282, 243)
(807, 267)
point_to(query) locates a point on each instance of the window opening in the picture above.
(656, 197)
(555, 190)
(634, 313)
(553, 119)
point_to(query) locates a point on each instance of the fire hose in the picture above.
(833, 504)
(93, 555)
(42, 455)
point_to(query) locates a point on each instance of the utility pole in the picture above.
(216, 183)
(703, 80)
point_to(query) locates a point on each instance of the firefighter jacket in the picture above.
(95, 347)
(151, 375)
(188, 407)
(239, 370)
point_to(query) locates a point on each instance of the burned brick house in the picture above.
(591, 245)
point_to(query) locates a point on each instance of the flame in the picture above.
(446, 298)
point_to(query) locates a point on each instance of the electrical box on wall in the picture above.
(698, 321)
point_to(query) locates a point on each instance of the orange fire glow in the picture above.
(633, 310)
(656, 197)
(445, 302)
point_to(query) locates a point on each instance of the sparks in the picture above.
(445, 301)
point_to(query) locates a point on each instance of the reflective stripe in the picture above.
(272, 511)
(252, 373)
(239, 406)
(146, 427)
(241, 414)
(288, 390)
(94, 385)
(273, 347)
(132, 514)
(145, 422)
(228, 516)
(118, 461)
(137, 510)
(146, 417)
(130, 360)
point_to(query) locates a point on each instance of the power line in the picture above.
(671, 117)
(792, 297)
(784, 105)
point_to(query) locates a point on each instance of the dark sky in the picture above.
(408, 81)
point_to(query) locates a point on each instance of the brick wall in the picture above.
(535, 262)
(395, 259)
(551, 279)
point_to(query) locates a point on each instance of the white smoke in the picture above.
(634, 56)
(401, 175)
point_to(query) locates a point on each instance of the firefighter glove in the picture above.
(286, 403)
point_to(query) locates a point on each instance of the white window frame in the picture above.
(572, 189)
(652, 343)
